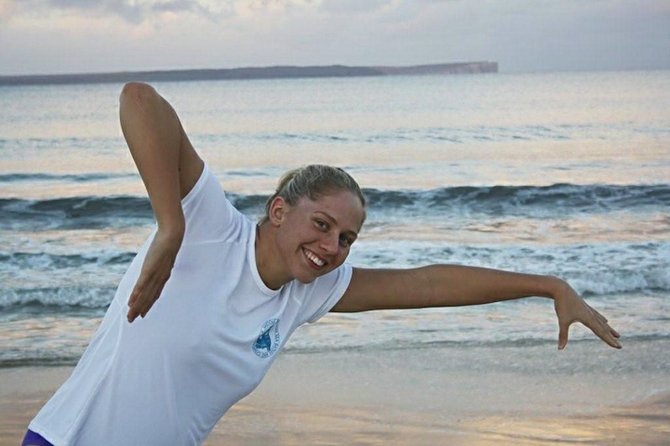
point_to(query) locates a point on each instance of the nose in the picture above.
(330, 243)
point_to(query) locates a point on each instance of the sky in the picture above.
(83, 36)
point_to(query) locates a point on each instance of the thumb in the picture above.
(563, 334)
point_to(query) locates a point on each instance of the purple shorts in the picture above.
(33, 439)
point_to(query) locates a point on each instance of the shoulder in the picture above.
(319, 296)
(209, 214)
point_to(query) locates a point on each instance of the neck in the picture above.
(268, 260)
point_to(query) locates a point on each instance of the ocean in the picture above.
(556, 173)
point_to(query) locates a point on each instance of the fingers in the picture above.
(156, 270)
(563, 335)
(598, 324)
(140, 308)
(603, 319)
(143, 298)
(572, 308)
(600, 317)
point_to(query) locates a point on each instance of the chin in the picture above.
(311, 276)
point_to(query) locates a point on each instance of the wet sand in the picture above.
(528, 395)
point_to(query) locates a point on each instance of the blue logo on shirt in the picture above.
(268, 341)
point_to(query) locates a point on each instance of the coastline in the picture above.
(422, 396)
(248, 73)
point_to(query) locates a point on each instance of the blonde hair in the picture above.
(313, 182)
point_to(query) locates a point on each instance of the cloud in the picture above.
(522, 35)
(132, 11)
(6, 8)
(137, 11)
(354, 6)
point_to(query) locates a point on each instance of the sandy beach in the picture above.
(529, 395)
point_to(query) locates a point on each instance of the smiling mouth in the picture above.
(314, 259)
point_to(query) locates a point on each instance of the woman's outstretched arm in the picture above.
(169, 167)
(454, 285)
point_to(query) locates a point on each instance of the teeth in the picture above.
(317, 261)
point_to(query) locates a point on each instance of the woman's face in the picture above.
(315, 237)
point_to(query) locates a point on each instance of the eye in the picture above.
(346, 241)
(321, 225)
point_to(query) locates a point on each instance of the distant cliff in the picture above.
(276, 72)
(444, 68)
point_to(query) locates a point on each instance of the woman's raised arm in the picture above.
(169, 167)
(455, 285)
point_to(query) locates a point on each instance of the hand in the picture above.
(156, 270)
(572, 308)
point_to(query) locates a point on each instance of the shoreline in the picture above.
(425, 396)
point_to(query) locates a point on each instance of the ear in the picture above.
(278, 209)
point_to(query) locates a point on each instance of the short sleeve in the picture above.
(208, 213)
(325, 292)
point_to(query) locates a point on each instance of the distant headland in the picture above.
(274, 72)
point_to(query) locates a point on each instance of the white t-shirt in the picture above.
(206, 343)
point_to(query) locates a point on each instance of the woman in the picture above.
(232, 292)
